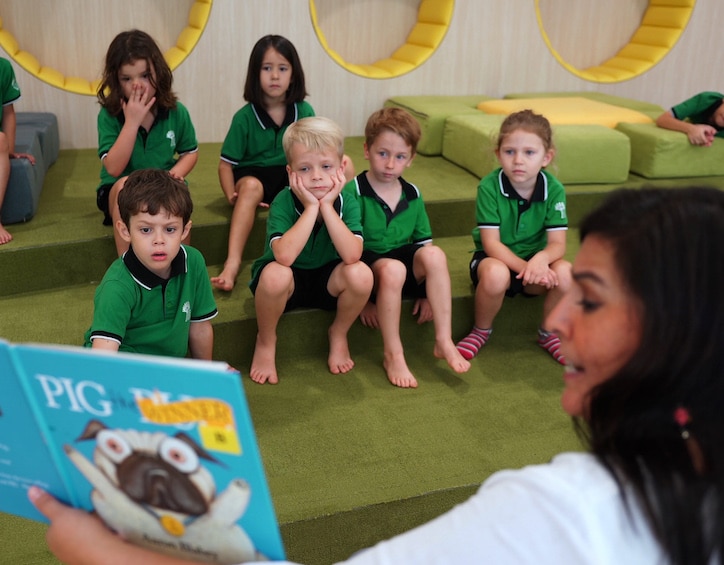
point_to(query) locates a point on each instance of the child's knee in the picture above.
(390, 272)
(358, 276)
(431, 258)
(250, 188)
(117, 187)
(493, 275)
(276, 279)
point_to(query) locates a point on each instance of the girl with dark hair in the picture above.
(642, 329)
(141, 124)
(252, 169)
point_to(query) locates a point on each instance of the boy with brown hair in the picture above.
(398, 245)
(313, 247)
(156, 298)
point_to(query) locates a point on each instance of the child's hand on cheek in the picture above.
(338, 181)
(306, 198)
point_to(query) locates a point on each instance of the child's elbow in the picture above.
(351, 258)
(284, 259)
(113, 169)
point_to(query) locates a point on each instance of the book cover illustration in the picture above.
(162, 449)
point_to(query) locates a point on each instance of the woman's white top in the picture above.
(567, 511)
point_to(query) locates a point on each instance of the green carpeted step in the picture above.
(67, 310)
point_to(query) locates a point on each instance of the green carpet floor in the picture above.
(350, 459)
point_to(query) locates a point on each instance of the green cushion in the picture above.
(469, 141)
(585, 154)
(660, 153)
(431, 112)
(651, 110)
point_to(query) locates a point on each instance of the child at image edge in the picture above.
(398, 245)
(313, 247)
(9, 94)
(701, 118)
(252, 169)
(520, 238)
(155, 299)
(141, 123)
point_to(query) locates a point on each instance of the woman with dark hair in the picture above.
(642, 330)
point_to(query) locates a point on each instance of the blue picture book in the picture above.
(162, 449)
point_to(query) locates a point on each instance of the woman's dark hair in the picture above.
(127, 47)
(669, 249)
(297, 90)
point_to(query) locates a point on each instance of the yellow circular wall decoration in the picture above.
(661, 26)
(433, 21)
(187, 39)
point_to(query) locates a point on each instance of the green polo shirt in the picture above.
(699, 109)
(9, 89)
(522, 224)
(254, 140)
(319, 250)
(147, 314)
(383, 228)
(172, 134)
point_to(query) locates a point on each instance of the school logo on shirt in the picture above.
(171, 136)
(561, 207)
(15, 85)
(187, 310)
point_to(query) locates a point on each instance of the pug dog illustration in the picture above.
(152, 489)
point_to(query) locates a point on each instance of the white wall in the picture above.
(493, 47)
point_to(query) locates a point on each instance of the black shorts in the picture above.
(273, 179)
(406, 255)
(310, 287)
(102, 195)
(516, 285)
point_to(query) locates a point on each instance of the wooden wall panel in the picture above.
(491, 48)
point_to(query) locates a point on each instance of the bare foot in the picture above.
(450, 353)
(398, 372)
(263, 365)
(340, 360)
(227, 277)
(5, 235)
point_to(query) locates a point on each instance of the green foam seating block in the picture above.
(658, 153)
(431, 112)
(648, 108)
(469, 141)
(585, 154)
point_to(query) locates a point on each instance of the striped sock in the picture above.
(470, 345)
(552, 344)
